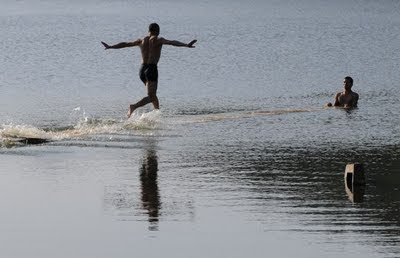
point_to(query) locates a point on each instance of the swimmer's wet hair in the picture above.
(348, 78)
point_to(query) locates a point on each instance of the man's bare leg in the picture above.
(152, 93)
(151, 97)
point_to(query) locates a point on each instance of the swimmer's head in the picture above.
(348, 83)
(154, 29)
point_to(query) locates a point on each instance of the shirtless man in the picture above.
(346, 98)
(150, 47)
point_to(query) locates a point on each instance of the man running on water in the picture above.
(346, 98)
(150, 47)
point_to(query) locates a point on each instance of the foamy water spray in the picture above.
(146, 121)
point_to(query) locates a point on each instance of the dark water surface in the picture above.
(242, 160)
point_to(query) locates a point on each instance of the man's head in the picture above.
(154, 29)
(348, 83)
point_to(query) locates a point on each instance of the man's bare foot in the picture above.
(131, 109)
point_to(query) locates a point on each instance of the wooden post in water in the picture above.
(354, 180)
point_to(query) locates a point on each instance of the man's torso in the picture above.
(347, 99)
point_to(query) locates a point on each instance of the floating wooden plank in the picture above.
(25, 140)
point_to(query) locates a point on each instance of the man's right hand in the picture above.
(105, 45)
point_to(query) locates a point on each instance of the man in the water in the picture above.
(150, 47)
(346, 98)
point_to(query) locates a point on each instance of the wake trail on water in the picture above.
(206, 118)
(104, 129)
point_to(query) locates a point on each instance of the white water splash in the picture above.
(147, 121)
(11, 134)
(11, 130)
(85, 126)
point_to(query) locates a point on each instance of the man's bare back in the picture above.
(150, 47)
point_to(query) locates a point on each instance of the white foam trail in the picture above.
(239, 115)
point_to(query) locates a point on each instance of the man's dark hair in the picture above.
(349, 79)
(154, 28)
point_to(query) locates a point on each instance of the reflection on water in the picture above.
(150, 193)
(129, 197)
(306, 185)
(355, 192)
(354, 181)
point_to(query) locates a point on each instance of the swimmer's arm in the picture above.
(355, 101)
(177, 43)
(337, 103)
(123, 44)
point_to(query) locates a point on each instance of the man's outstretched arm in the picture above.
(178, 43)
(122, 44)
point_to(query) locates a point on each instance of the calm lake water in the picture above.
(241, 161)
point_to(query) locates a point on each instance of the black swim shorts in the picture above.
(148, 72)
